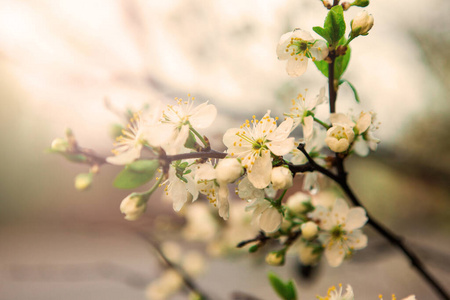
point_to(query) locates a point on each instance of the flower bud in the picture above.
(362, 23)
(307, 256)
(228, 170)
(60, 145)
(281, 178)
(275, 258)
(83, 181)
(309, 230)
(297, 203)
(360, 3)
(133, 206)
(346, 5)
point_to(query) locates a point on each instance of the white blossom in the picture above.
(180, 185)
(336, 294)
(268, 216)
(340, 233)
(216, 192)
(302, 112)
(254, 142)
(297, 47)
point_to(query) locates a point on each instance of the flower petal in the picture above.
(259, 175)
(270, 220)
(296, 65)
(282, 147)
(204, 117)
(364, 122)
(356, 218)
(285, 39)
(334, 254)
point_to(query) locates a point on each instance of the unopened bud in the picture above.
(60, 145)
(281, 178)
(133, 206)
(362, 23)
(275, 258)
(360, 3)
(307, 255)
(346, 5)
(83, 181)
(309, 230)
(298, 203)
(228, 170)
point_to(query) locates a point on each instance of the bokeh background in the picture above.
(60, 61)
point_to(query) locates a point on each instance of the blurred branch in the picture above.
(187, 280)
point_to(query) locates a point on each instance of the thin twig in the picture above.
(187, 280)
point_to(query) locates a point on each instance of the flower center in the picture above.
(337, 233)
(258, 144)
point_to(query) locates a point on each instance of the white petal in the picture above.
(360, 147)
(204, 116)
(320, 50)
(125, 158)
(270, 220)
(159, 134)
(230, 137)
(259, 175)
(178, 193)
(356, 218)
(302, 34)
(308, 128)
(282, 46)
(340, 211)
(337, 145)
(334, 254)
(339, 118)
(363, 122)
(283, 131)
(224, 206)
(296, 67)
(357, 240)
(282, 147)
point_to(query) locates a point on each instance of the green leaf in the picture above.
(355, 92)
(136, 174)
(322, 66)
(191, 142)
(360, 3)
(286, 291)
(341, 63)
(323, 33)
(334, 24)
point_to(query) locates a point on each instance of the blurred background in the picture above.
(60, 61)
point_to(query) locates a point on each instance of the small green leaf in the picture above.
(334, 24)
(286, 291)
(323, 33)
(360, 3)
(191, 142)
(355, 92)
(136, 174)
(322, 66)
(253, 248)
(341, 63)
